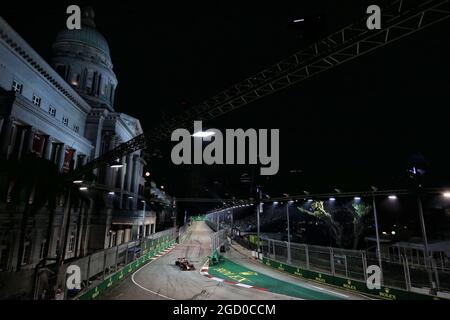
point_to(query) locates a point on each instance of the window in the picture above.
(36, 100)
(76, 128)
(75, 81)
(71, 242)
(90, 79)
(42, 249)
(65, 121)
(52, 111)
(61, 69)
(17, 86)
(26, 256)
(4, 254)
(103, 89)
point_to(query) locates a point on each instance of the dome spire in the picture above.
(88, 16)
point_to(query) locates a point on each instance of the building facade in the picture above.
(63, 111)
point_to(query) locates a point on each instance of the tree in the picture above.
(360, 213)
(318, 211)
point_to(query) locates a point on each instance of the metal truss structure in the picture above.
(400, 19)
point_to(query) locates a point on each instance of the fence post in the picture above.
(346, 265)
(288, 247)
(88, 270)
(307, 256)
(274, 254)
(436, 273)
(364, 263)
(105, 255)
(406, 272)
(117, 258)
(331, 260)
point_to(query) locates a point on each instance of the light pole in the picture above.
(174, 212)
(143, 218)
(375, 217)
(425, 243)
(416, 176)
(217, 219)
(259, 209)
(231, 224)
(288, 233)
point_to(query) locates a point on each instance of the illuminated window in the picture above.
(75, 81)
(17, 86)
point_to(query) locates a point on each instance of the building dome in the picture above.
(85, 36)
(82, 58)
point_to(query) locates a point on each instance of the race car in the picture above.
(184, 264)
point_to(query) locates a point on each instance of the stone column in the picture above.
(62, 153)
(47, 153)
(110, 172)
(74, 158)
(28, 142)
(6, 136)
(122, 180)
(129, 172)
(135, 178)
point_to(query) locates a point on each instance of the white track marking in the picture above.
(143, 288)
(332, 292)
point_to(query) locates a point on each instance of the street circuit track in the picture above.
(162, 279)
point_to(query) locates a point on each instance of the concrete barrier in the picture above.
(158, 246)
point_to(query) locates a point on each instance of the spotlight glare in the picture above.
(203, 134)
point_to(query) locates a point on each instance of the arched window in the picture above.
(61, 70)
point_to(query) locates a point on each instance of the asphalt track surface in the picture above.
(162, 280)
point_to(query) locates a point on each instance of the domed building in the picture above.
(63, 111)
(83, 59)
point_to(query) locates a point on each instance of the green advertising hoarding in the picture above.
(386, 293)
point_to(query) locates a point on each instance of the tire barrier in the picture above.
(385, 293)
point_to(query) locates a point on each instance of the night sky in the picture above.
(360, 124)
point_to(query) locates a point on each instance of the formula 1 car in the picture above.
(184, 264)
